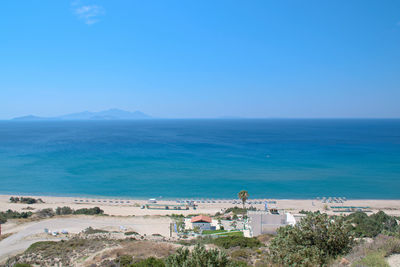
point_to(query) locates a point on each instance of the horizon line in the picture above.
(210, 118)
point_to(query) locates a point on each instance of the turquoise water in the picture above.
(202, 158)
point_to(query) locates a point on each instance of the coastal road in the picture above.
(29, 233)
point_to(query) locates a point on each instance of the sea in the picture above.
(202, 158)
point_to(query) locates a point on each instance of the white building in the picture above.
(202, 222)
(263, 222)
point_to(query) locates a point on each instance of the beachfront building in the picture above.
(264, 222)
(201, 222)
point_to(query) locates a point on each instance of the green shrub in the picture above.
(237, 241)
(14, 199)
(387, 222)
(149, 262)
(240, 254)
(9, 214)
(199, 256)
(315, 240)
(201, 240)
(373, 225)
(91, 230)
(66, 249)
(45, 213)
(238, 264)
(236, 210)
(64, 210)
(25, 200)
(125, 260)
(373, 259)
(91, 211)
(41, 245)
(85, 211)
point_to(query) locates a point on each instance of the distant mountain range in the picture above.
(111, 114)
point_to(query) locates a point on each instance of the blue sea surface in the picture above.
(271, 158)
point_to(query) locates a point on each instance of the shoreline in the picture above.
(134, 218)
(161, 198)
(133, 207)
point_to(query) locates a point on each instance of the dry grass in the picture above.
(51, 253)
(372, 250)
(265, 238)
(136, 249)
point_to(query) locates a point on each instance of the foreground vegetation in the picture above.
(317, 240)
(47, 213)
(375, 252)
(85, 211)
(26, 200)
(9, 214)
(373, 225)
(314, 241)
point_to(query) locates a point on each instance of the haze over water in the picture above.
(202, 158)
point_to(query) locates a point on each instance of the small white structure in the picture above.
(152, 200)
(202, 222)
(263, 222)
(214, 225)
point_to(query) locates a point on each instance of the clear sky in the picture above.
(180, 59)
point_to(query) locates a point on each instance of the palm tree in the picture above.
(243, 195)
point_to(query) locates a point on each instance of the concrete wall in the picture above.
(264, 223)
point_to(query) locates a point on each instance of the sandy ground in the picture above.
(394, 260)
(28, 233)
(143, 221)
(133, 207)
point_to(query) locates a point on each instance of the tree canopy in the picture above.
(315, 240)
(243, 195)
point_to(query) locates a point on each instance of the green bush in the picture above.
(67, 210)
(91, 211)
(149, 262)
(45, 213)
(25, 200)
(91, 230)
(65, 249)
(40, 246)
(200, 240)
(388, 223)
(240, 254)
(64, 210)
(314, 241)
(198, 257)
(371, 226)
(373, 259)
(236, 210)
(125, 260)
(237, 241)
(14, 199)
(9, 214)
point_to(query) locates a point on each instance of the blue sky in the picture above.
(182, 59)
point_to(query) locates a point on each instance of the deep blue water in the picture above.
(202, 158)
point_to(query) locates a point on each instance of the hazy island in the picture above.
(110, 114)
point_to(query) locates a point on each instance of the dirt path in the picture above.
(394, 260)
(29, 233)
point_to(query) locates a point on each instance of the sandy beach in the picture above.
(133, 208)
(129, 214)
